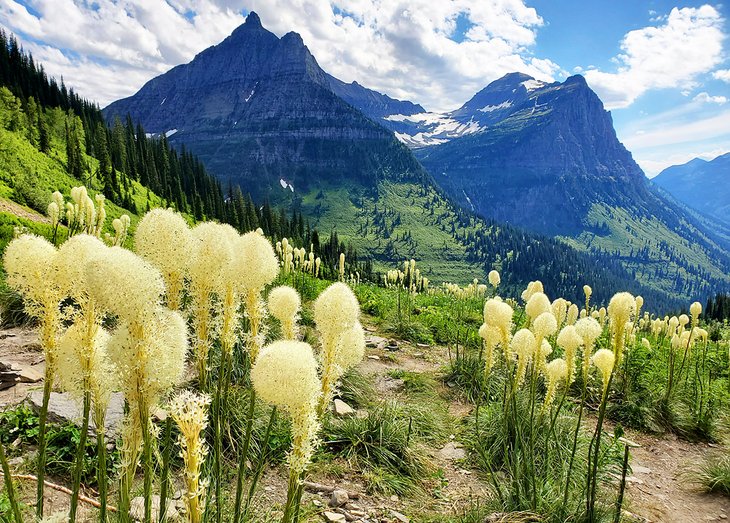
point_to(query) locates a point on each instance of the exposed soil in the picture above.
(661, 487)
(23, 212)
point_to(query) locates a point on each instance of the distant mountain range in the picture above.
(701, 184)
(261, 113)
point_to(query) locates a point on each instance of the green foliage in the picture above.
(19, 430)
(714, 475)
(380, 444)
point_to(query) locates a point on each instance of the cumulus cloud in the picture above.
(722, 74)
(688, 43)
(434, 53)
(708, 99)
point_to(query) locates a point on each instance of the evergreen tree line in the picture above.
(718, 308)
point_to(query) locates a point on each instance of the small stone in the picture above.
(400, 517)
(374, 357)
(723, 516)
(338, 498)
(422, 345)
(418, 355)
(452, 451)
(394, 498)
(343, 409)
(334, 517)
(30, 375)
(316, 502)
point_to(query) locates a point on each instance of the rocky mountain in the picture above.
(372, 104)
(546, 157)
(701, 184)
(260, 113)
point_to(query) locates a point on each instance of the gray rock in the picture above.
(338, 498)
(63, 408)
(30, 375)
(343, 409)
(400, 517)
(452, 451)
(334, 517)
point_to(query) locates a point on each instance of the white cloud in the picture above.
(407, 49)
(722, 74)
(672, 55)
(706, 98)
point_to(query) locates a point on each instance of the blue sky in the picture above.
(661, 67)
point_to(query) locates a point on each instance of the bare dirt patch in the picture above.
(22, 212)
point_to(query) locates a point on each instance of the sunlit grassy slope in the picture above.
(402, 220)
(28, 177)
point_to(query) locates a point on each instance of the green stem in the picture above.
(148, 468)
(622, 488)
(80, 454)
(243, 456)
(291, 496)
(566, 490)
(593, 468)
(41, 468)
(165, 483)
(101, 475)
(9, 487)
(260, 465)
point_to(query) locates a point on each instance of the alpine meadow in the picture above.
(238, 286)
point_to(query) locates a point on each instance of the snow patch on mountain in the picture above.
(532, 85)
(286, 185)
(489, 108)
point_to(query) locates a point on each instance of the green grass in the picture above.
(629, 234)
(350, 211)
(29, 177)
(714, 475)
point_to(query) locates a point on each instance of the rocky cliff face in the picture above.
(544, 153)
(372, 104)
(260, 112)
(703, 185)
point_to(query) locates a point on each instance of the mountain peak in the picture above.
(293, 38)
(576, 79)
(252, 20)
(515, 77)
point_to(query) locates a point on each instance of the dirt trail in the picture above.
(661, 490)
(22, 212)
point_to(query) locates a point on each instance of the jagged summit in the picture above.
(261, 113)
(252, 20)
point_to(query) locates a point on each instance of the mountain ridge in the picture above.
(701, 184)
(263, 114)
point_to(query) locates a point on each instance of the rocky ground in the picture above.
(659, 489)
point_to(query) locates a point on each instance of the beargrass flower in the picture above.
(284, 304)
(524, 345)
(336, 311)
(570, 340)
(163, 238)
(189, 410)
(604, 360)
(494, 278)
(620, 309)
(556, 371)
